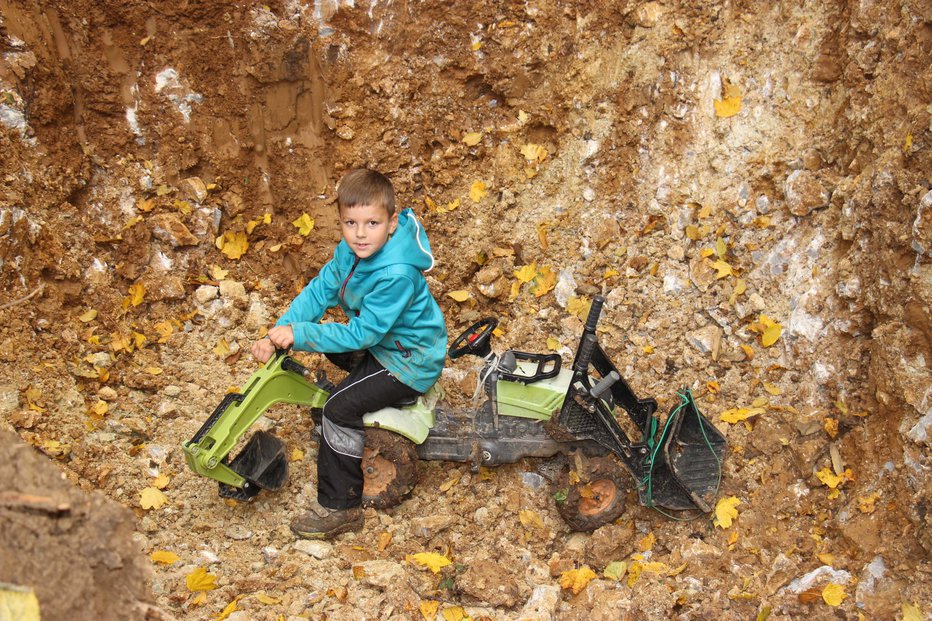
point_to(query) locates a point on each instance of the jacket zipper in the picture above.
(350, 275)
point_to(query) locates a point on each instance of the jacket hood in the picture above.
(407, 245)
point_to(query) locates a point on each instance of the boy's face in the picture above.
(366, 228)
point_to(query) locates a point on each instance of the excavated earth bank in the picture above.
(709, 167)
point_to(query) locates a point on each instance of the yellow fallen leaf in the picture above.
(199, 599)
(634, 572)
(534, 152)
(200, 580)
(99, 409)
(230, 609)
(530, 518)
(578, 307)
(723, 269)
(431, 560)
(267, 599)
(472, 138)
(656, 568)
(553, 344)
(736, 415)
(164, 557)
(867, 504)
(720, 248)
(647, 542)
(384, 540)
(575, 580)
(145, 205)
(772, 389)
(833, 594)
(730, 103)
(233, 244)
(449, 483)
(164, 329)
(771, 335)
(911, 612)
(152, 498)
(88, 316)
(829, 478)
(222, 348)
(826, 558)
(429, 608)
(477, 191)
(297, 454)
(526, 273)
(748, 351)
(545, 282)
(726, 511)
(153, 370)
(615, 570)
(455, 613)
(460, 295)
(304, 223)
(137, 292)
(161, 481)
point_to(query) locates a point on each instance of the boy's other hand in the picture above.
(262, 350)
(282, 337)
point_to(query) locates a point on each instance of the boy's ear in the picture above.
(393, 223)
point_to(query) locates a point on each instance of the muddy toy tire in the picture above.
(587, 505)
(389, 468)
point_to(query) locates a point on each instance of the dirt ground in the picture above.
(747, 184)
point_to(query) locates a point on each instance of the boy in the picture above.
(375, 276)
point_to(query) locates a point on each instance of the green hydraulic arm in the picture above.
(281, 380)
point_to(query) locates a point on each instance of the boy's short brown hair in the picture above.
(366, 187)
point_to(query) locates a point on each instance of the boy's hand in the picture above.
(262, 350)
(282, 337)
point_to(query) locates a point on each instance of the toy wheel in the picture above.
(389, 468)
(587, 505)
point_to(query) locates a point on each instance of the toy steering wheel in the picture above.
(475, 340)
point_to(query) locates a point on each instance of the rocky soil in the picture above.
(747, 183)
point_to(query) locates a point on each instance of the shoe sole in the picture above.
(339, 530)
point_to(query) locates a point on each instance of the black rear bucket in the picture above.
(262, 463)
(687, 469)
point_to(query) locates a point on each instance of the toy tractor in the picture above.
(533, 407)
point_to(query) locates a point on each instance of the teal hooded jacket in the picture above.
(391, 311)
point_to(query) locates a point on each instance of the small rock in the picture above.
(234, 291)
(209, 557)
(171, 390)
(648, 14)
(490, 583)
(701, 272)
(169, 228)
(542, 605)
(488, 274)
(9, 398)
(707, 340)
(107, 394)
(588, 194)
(270, 553)
(384, 574)
(318, 549)
(193, 189)
(101, 360)
(804, 193)
(206, 293)
(431, 525)
(238, 532)
(345, 132)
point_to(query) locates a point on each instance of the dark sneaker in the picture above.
(323, 523)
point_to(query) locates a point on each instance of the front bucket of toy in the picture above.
(262, 462)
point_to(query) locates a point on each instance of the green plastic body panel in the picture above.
(538, 400)
(267, 386)
(413, 422)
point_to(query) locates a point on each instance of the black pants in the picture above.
(367, 388)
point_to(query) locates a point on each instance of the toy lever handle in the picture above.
(594, 311)
(604, 384)
(586, 348)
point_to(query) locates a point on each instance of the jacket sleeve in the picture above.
(380, 310)
(314, 300)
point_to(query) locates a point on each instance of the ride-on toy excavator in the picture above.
(532, 407)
